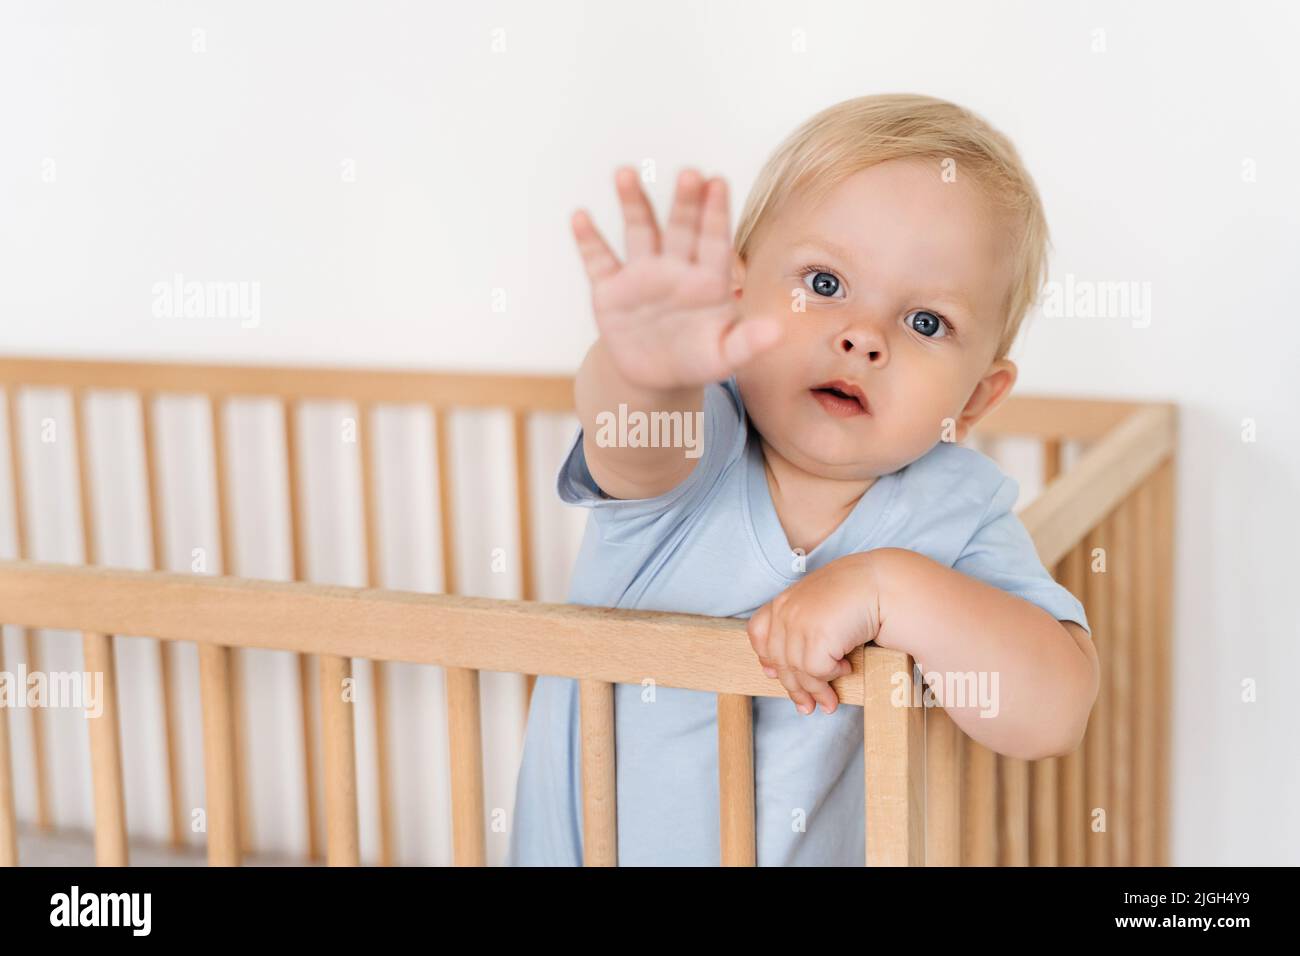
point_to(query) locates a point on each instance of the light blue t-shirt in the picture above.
(714, 545)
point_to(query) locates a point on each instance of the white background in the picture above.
(229, 164)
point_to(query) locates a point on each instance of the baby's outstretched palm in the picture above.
(667, 316)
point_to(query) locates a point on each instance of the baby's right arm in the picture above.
(668, 325)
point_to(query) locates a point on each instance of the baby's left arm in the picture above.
(1042, 673)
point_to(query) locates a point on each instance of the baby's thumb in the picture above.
(747, 338)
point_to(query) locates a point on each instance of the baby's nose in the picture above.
(865, 343)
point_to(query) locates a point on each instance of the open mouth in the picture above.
(841, 398)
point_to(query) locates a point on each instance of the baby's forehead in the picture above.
(889, 197)
(897, 192)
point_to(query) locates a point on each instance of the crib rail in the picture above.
(600, 646)
(1105, 527)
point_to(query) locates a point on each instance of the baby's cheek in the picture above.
(759, 380)
(906, 431)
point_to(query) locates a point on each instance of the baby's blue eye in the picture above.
(823, 283)
(927, 324)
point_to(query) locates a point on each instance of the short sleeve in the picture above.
(1002, 554)
(720, 433)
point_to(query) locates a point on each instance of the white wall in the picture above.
(379, 171)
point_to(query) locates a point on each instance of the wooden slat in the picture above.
(383, 773)
(1144, 753)
(315, 849)
(1070, 779)
(736, 779)
(219, 755)
(894, 763)
(1044, 813)
(298, 572)
(1099, 584)
(36, 721)
(171, 753)
(523, 508)
(1013, 811)
(942, 789)
(567, 640)
(552, 393)
(599, 780)
(1120, 813)
(235, 670)
(465, 739)
(8, 817)
(979, 809)
(106, 755)
(240, 766)
(1053, 448)
(171, 741)
(446, 516)
(1044, 849)
(89, 551)
(1162, 667)
(1106, 473)
(379, 681)
(338, 744)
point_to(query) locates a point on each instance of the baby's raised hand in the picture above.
(668, 317)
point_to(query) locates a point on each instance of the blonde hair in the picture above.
(858, 133)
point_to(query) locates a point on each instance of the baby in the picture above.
(836, 354)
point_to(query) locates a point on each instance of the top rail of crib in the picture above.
(620, 646)
(518, 391)
(1058, 418)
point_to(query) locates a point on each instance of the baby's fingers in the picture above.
(803, 701)
(716, 249)
(684, 218)
(746, 338)
(597, 257)
(819, 690)
(759, 630)
(641, 232)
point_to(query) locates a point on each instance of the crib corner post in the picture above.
(893, 734)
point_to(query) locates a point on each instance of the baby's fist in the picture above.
(803, 635)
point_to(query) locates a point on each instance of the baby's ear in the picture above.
(737, 275)
(991, 391)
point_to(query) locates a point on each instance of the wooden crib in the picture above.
(1104, 524)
